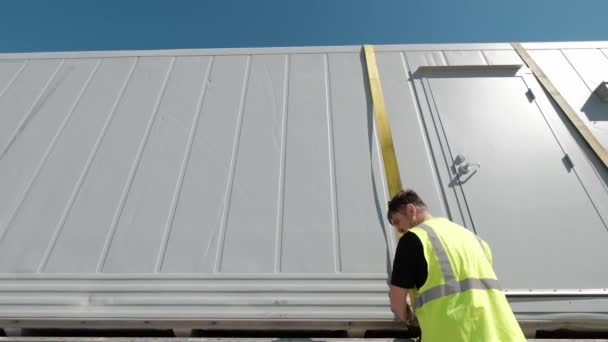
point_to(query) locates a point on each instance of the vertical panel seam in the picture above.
(96, 147)
(76, 189)
(139, 154)
(332, 168)
(575, 70)
(281, 199)
(235, 147)
(184, 166)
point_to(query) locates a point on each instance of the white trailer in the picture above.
(244, 188)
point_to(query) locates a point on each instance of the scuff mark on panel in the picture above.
(42, 99)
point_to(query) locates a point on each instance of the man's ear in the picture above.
(410, 209)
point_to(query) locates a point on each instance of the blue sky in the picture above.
(60, 25)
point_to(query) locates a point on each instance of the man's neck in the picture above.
(423, 216)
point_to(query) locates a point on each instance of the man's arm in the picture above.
(398, 297)
(409, 272)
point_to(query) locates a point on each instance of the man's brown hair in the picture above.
(401, 199)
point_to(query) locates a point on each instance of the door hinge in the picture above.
(530, 95)
(568, 162)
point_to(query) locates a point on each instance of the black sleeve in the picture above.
(410, 267)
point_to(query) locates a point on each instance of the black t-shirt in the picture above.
(410, 267)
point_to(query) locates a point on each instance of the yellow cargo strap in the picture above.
(597, 147)
(391, 168)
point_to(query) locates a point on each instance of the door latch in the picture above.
(468, 167)
(459, 159)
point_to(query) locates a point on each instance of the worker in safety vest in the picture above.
(447, 272)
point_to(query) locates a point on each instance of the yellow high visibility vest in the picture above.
(461, 299)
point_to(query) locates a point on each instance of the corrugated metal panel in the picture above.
(226, 184)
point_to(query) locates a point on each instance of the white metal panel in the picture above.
(591, 171)
(360, 212)
(253, 203)
(590, 64)
(80, 233)
(9, 70)
(502, 57)
(20, 164)
(309, 239)
(569, 83)
(193, 238)
(42, 204)
(452, 198)
(465, 58)
(199, 298)
(24, 97)
(490, 121)
(114, 166)
(566, 45)
(147, 209)
(419, 59)
(414, 154)
(145, 203)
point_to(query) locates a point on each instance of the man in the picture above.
(447, 270)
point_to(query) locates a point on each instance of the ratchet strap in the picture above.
(391, 169)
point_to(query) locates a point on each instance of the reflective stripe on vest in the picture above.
(451, 285)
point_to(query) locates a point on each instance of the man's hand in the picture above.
(410, 318)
